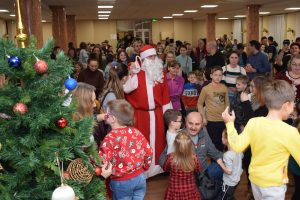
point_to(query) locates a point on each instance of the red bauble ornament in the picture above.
(61, 123)
(98, 171)
(20, 108)
(40, 67)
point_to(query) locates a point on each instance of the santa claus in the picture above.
(147, 91)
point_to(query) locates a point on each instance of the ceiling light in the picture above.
(2, 10)
(44, 20)
(190, 11)
(104, 11)
(209, 6)
(105, 6)
(168, 17)
(103, 15)
(177, 15)
(264, 13)
(12, 15)
(240, 16)
(293, 8)
(223, 18)
(103, 18)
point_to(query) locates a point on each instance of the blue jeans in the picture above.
(132, 189)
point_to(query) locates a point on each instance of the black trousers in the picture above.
(227, 193)
(215, 130)
(296, 195)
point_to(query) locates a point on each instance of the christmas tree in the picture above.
(37, 130)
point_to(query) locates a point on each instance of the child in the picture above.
(215, 97)
(233, 162)
(175, 84)
(190, 93)
(199, 77)
(182, 165)
(128, 151)
(173, 120)
(236, 105)
(271, 141)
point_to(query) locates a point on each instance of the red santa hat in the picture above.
(146, 51)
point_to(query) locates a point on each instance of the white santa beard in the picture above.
(153, 69)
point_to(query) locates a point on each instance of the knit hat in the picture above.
(146, 51)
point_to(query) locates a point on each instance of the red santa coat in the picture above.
(149, 101)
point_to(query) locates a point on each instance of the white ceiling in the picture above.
(148, 9)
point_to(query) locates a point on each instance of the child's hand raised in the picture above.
(227, 117)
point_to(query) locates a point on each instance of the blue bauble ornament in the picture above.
(14, 61)
(70, 84)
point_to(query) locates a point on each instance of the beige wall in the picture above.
(223, 27)
(47, 31)
(183, 30)
(162, 29)
(2, 28)
(199, 30)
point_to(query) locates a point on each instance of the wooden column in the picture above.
(31, 13)
(252, 21)
(211, 27)
(71, 29)
(59, 26)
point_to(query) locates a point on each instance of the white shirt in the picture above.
(170, 141)
(233, 161)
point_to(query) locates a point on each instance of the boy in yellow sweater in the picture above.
(271, 140)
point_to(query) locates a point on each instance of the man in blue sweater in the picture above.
(257, 63)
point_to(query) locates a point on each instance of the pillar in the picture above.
(252, 22)
(59, 26)
(71, 29)
(211, 27)
(31, 13)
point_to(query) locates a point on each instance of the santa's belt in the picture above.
(153, 109)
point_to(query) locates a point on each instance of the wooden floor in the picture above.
(156, 187)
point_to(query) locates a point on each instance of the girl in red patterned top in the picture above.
(128, 151)
(182, 164)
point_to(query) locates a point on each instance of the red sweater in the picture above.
(128, 151)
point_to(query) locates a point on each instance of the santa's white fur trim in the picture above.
(148, 52)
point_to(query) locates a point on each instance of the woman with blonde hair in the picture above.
(84, 95)
(182, 165)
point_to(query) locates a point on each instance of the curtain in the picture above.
(237, 30)
(277, 28)
(297, 25)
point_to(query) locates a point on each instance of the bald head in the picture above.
(193, 123)
(211, 47)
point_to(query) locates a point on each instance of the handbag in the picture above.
(207, 186)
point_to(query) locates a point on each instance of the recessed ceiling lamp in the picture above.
(12, 15)
(190, 11)
(292, 8)
(240, 16)
(177, 15)
(104, 11)
(209, 6)
(103, 15)
(264, 13)
(44, 20)
(103, 18)
(223, 18)
(3, 11)
(105, 6)
(168, 17)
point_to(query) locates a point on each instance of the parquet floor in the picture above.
(156, 187)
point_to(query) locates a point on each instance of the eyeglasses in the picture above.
(295, 65)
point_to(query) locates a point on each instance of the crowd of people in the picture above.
(204, 112)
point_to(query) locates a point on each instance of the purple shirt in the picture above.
(175, 89)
